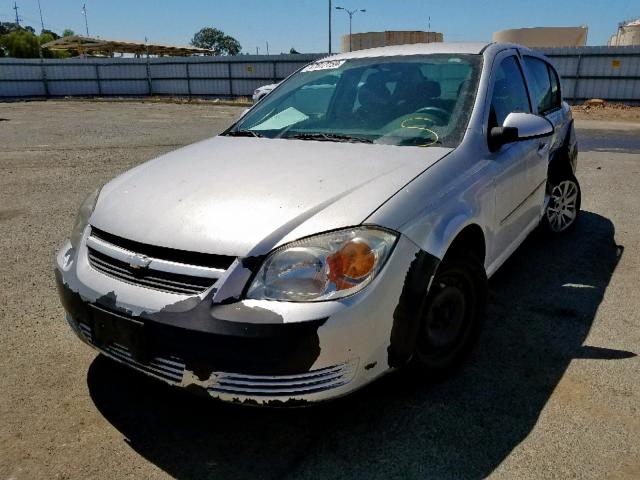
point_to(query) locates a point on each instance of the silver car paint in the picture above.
(459, 192)
(245, 196)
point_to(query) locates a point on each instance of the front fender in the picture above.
(443, 229)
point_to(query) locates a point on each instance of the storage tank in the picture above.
(628, 34)
(361, 41)
(541, 37)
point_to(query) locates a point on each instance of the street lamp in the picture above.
(350, 13)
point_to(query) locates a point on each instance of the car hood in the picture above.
(244, 196)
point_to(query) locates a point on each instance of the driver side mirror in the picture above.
(519, 126)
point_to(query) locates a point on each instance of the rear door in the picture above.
(546, 100)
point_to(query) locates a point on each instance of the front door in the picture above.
(515, 187)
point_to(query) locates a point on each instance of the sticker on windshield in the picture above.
(323, 65)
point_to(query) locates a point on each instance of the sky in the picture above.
(303, 24)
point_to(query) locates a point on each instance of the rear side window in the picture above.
(542, 89)
(556, 96)
(509, 92)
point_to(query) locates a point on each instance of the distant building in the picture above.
(628, 34)
(541, 37)
(360, 41)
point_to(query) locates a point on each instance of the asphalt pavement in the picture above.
(552, 391)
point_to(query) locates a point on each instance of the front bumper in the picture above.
(257, 352)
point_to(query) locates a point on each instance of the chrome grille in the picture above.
(171, 369)
(169, 282)
(162, 268)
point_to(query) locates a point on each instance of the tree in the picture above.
(67, 32)
(47, 36)
(7, 27)
(21, 44)
(293, 51)
(216, 40)
(51, 33)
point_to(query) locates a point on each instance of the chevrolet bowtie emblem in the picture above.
(139, 261)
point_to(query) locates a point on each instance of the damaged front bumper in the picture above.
(248, 351)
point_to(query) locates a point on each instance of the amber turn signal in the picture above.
(354, 261)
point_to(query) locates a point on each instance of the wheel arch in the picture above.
(563, 162)
(462, 232)
(470, 238)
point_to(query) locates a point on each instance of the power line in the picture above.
(15, 7)
(40, 10)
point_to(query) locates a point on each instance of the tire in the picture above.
(452, 317)
(563, 207)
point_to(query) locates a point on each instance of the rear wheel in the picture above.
(452, 317)
(563, 205)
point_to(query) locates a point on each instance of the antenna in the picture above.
(84, 12)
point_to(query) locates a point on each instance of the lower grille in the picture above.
(285, 385)
(171, 369)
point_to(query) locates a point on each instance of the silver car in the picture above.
(263, 91)
(343, 227)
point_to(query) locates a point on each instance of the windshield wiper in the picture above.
(243, 133)
(328, 137)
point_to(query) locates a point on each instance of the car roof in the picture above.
(415, 49)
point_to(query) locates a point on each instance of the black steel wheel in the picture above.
(452, 317)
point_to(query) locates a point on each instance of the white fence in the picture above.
(176, 76)
(610, 73)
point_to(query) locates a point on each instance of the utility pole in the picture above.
(330, 27)
(350, 13)
(40, 10)
(267, 47)
(15, 7)
(84, 12)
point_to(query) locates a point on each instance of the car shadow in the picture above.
(542, 304)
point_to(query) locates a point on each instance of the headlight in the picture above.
(82, 218)
(323, 267)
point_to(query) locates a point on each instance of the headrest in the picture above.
(431, 89)
(374, 91)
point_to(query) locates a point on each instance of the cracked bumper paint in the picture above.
(248, 351)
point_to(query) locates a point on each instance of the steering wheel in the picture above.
(440, 113)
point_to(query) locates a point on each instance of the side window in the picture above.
(556, 96)
(541, 90)
(509, 92)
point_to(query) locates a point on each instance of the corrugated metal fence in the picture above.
(179, 76)
(610, 73)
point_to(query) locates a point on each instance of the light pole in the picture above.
(350, 13)
(330, 27)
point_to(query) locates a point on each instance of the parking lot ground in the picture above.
(552, 391)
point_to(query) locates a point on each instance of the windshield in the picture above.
(408, 101)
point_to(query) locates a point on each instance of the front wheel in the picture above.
(453, 316)
(563, 205)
